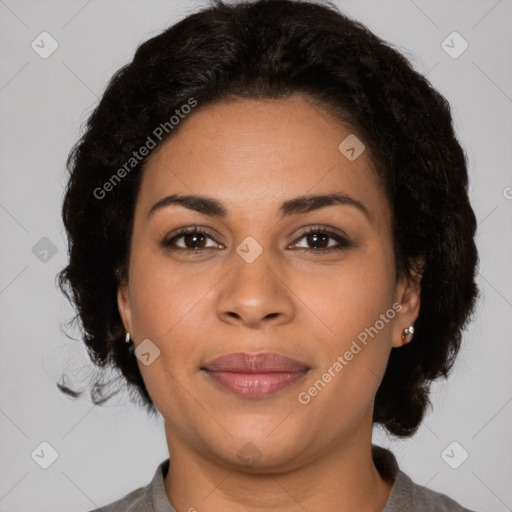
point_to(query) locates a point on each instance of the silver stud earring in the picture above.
(407, 334)
(127, 339)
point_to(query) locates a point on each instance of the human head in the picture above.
(270, 50)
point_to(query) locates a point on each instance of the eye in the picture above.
(193, 239)
(319, 238)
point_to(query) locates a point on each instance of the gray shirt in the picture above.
(405, 496)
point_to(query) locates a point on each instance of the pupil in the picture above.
(195, 237)
(313, 238)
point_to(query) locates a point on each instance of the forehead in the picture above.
(251, 154)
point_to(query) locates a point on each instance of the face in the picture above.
(255, 282)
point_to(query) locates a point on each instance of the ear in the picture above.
(408, 296)
(124, 305)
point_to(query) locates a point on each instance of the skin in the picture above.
(194, 306)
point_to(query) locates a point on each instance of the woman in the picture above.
(271, 239)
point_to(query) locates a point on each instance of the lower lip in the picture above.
(253, 385)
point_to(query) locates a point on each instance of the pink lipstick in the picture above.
(255, 375)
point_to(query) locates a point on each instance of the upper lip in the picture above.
(245, 362)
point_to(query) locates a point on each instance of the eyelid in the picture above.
(322, 228)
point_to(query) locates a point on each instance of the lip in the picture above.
(255, 375)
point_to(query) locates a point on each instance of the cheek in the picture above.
(353, 296)
(353, 354)
(169, 306)
(163, 294)
(356, 306)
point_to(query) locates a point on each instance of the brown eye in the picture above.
(193, 239)
(319, 240)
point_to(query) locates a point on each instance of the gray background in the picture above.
(103, 453)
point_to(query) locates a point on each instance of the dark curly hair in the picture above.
(273, 49)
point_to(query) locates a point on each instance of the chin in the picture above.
(257, 451)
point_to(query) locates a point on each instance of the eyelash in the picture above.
(343, 242)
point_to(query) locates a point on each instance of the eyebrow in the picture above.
(302, 204)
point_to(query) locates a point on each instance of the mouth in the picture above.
(254, 375)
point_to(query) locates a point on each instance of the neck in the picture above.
(342, 479)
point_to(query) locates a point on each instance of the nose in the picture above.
(255, 294)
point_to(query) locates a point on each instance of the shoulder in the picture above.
(411, 497)
(132, 502)
(150, 498)
(406, 496)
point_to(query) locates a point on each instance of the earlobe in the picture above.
(408, 296)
